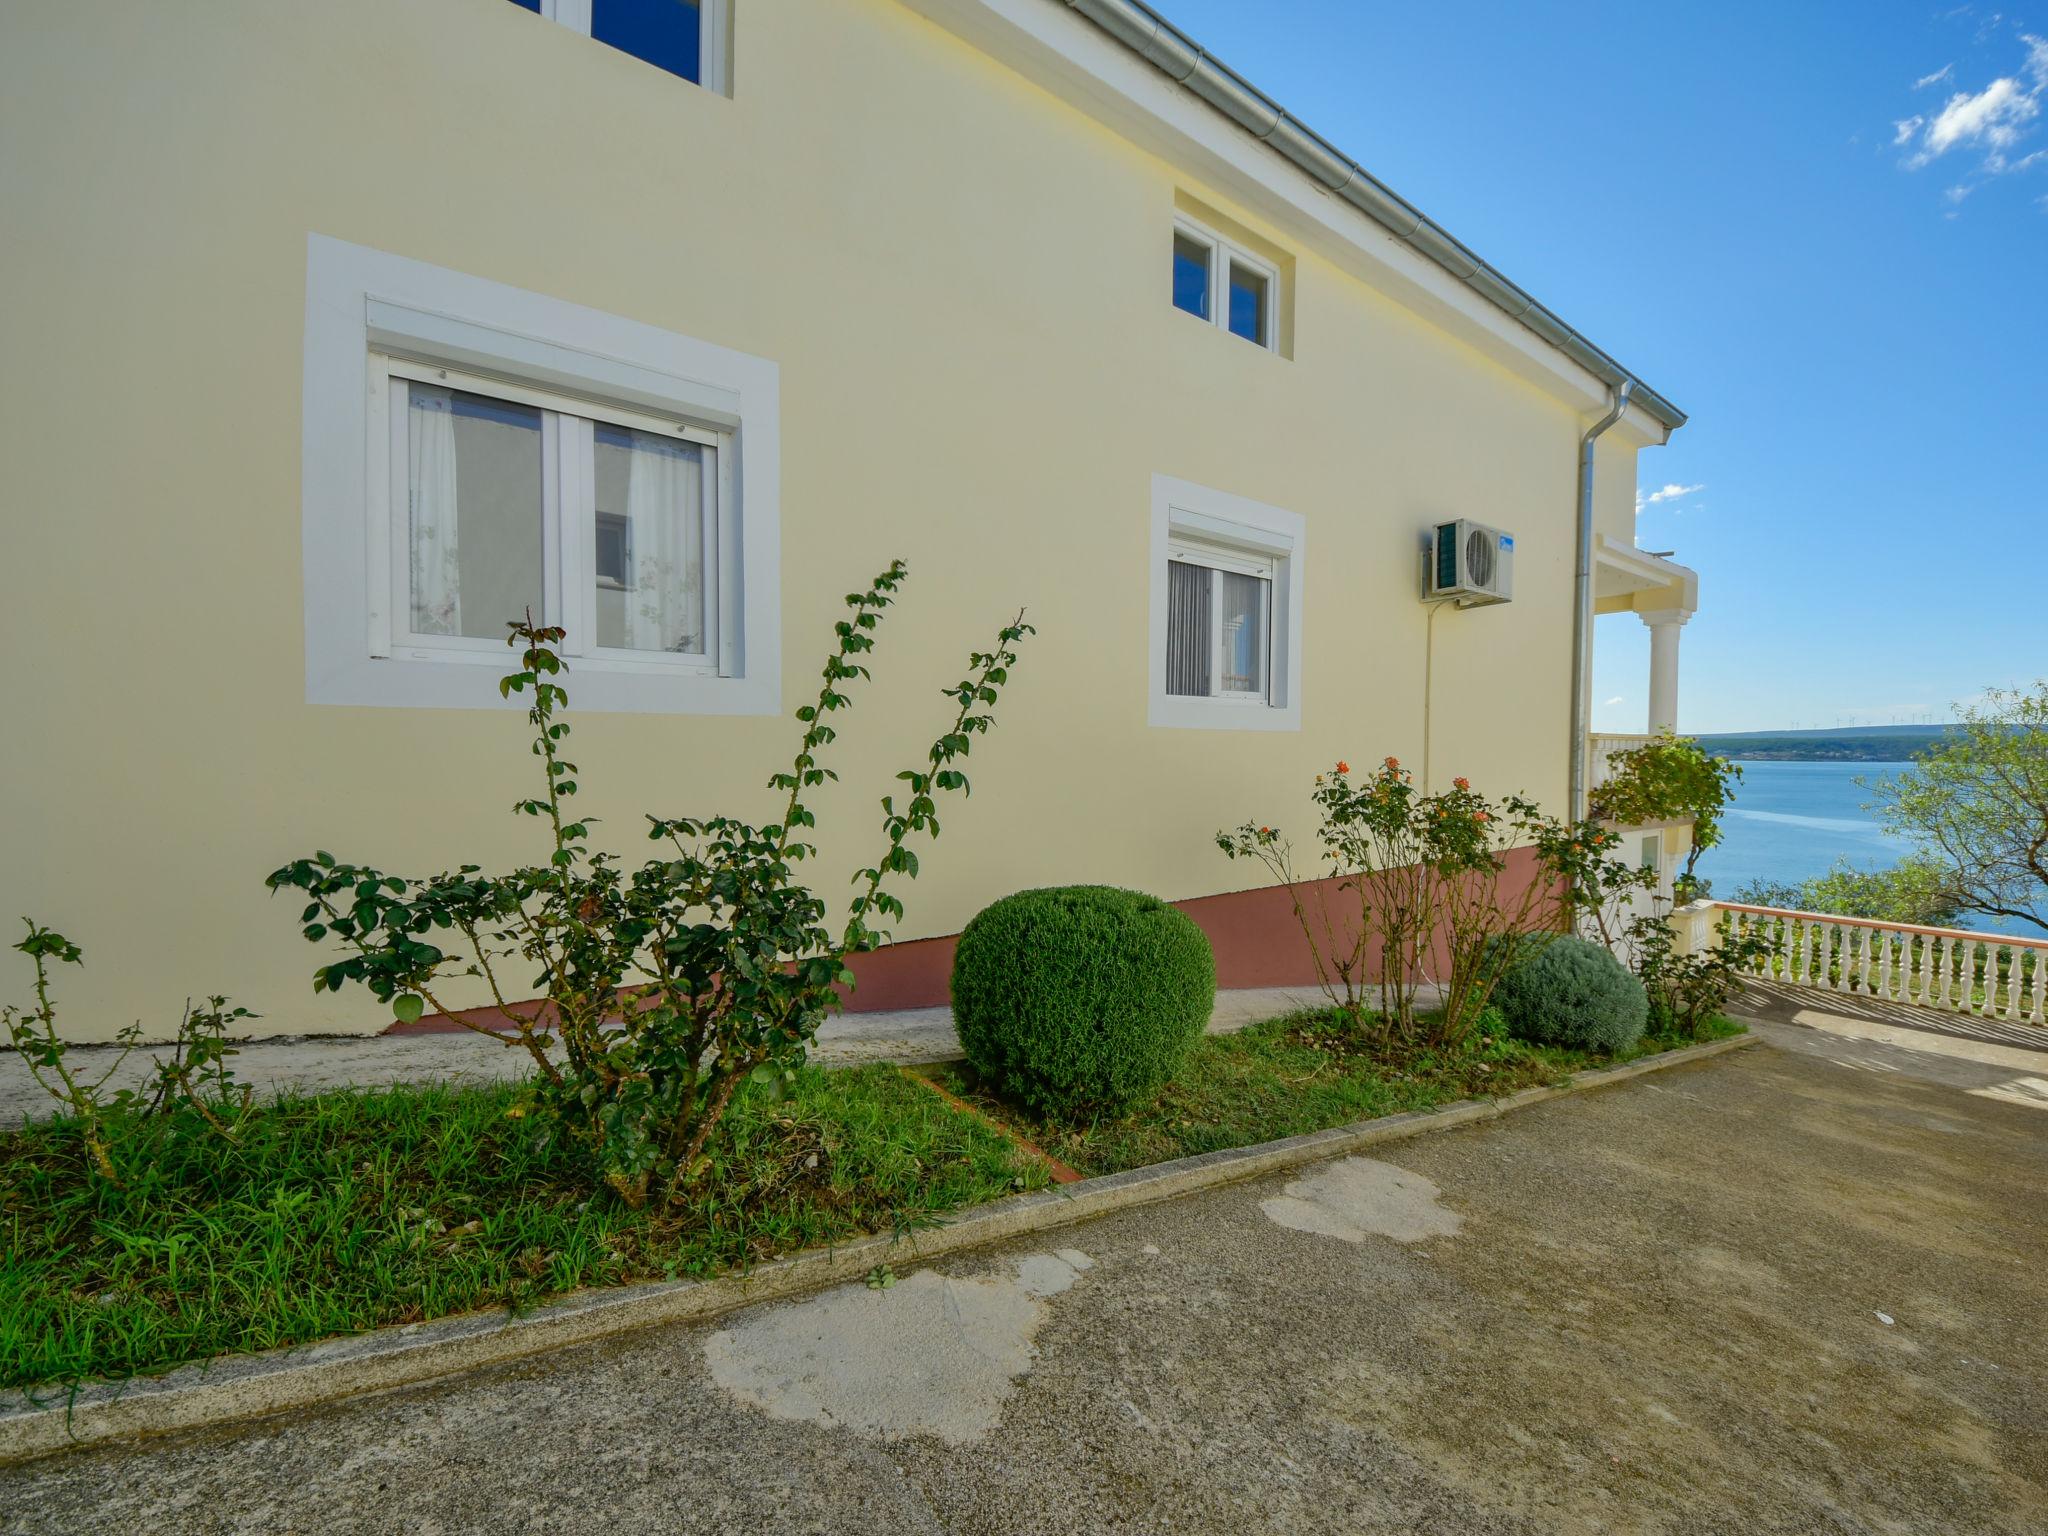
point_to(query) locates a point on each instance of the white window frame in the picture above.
(1228, 532)
(568, 520)
(714, 36)
(1222, 253)
(1184, 550)
(372, 316)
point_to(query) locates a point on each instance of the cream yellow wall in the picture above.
(964, 284)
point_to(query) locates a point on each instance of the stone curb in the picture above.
(250, 1386)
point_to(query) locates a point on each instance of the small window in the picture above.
(1191, 274)
(1249, 291)
(687, 38)
(507, 501)
(1219, 624)
(1224, 284)
(666, 33)
(1223, 645)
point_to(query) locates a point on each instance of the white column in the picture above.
(1664, 626)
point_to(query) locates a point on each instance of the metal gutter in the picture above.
(1174, 54)
(1582, 601)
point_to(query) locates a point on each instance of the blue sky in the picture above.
(1818, 229)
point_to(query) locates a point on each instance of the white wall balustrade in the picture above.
(1990, 975)
(1602, 745)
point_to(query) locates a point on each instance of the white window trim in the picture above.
(1222, 253)
(714, 37)
(361, 302)
(1210, 522)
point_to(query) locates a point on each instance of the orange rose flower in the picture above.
(1343, 767)
(1462, 783)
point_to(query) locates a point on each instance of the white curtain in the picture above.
(436, 563)
(665, 510)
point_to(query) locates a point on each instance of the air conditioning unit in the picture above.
(1470, 563)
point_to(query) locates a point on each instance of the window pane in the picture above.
(474, 508)
(1187, 628)
(1190, 276)
(1244, 632)
(666, 33)
(531, 5)
(650, 541)
(1248, 302)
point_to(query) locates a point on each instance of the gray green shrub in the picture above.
(1081, 998)
(1571, 992)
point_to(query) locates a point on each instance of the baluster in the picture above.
(1884, 962)
(1938, 997)
(2005, 1005)
(1871, 937)
(1968, 1002)
(1795, 935)
(2040, 1010)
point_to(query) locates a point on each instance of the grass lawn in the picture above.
(346, 1211)
(1302, 1072)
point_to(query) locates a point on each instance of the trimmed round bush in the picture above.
(1081, 997)
(1572, 992)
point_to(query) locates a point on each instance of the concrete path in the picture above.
(322, 1062)
(1796, 1289)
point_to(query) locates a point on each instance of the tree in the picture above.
(1915, 891)
(1669, 778)
(1977, 804)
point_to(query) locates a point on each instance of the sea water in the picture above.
(1793, 821)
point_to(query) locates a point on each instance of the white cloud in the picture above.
(1994, 117)
(1993, 120)
(1617, 699)
(1936, 78)
(1956, 194)
(1664, 494)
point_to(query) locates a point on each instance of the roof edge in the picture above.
(1149, 35)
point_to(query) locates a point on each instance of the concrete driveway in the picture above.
(1800, 1288)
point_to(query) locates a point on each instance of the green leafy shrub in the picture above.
(1572, 992)
(1406, 875)
(196, 1076)
(1081, 997)
(671, 984)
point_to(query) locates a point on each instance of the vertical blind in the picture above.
(1187, 628)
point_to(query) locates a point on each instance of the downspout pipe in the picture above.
(1582, 599)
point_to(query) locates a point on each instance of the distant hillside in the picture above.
(1849, 744)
